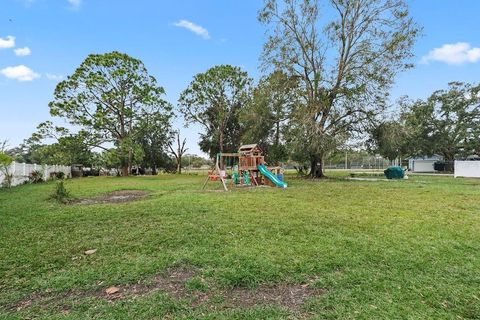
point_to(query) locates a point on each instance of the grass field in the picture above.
(333, 249)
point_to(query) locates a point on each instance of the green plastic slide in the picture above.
(264, 170)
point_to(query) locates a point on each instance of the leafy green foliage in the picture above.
(61, 195)
(5, 160)
(107, 96)
(153, 134)
(60, 175)
(67, 150)
(390, 139)
(36, 176)
(5, 163)
(447, 123)
(195, 161)
(110, 159)
(266, 118)
(345, 65)
(214, 99)
(128, 151)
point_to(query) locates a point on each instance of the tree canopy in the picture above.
(345, 65)
(107, 96)
(265, 119)
(153, 133)
(447, 123)
(391, 139)
(214, 99)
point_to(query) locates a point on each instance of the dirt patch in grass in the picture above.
(173, 283)
(291, 296)
(119, 196)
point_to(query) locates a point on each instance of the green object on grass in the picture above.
(235, 178)
(394, 173)
(246, 178)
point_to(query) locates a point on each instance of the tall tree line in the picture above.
(326, 80)
(446, 123)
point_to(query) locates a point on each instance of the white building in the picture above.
(423, 164)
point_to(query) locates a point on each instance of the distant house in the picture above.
(423, 163)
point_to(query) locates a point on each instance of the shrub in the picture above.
(61, 195)
(439, 166)
(7, 180)
(36, 176)
(60, 175)
(91, 173)
(5, 162)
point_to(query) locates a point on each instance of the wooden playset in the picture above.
(247, 167)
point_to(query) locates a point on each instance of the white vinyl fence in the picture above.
(21, 171)
(467, 169)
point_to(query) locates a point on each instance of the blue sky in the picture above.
(42, 41)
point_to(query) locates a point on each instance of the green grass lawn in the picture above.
(368, 249)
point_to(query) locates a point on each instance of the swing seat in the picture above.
(212, 176)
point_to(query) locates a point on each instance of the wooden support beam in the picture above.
(229, 154)
(224, 184)
(206, 180)
(217, 167)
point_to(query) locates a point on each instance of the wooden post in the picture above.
(206, 180)
(219, 174)
(216, 170)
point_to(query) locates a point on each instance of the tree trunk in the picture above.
(449, 159)
(316, 168)
(220, 142)
(124, 161)
(130, 160)
(277, 133)
(125, 166)
(179, 165)
(220, 147)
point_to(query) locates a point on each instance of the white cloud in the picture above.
(20, 73)
(453, 54)
(56, 77)
(8, 42)
(195, 28)
(22, 52)
(75, 4)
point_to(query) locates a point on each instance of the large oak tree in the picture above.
(214, 99)
(447, 123)
(107, 95)
(390, 139)
(266, 118)
(153, 133)
(345, 59)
